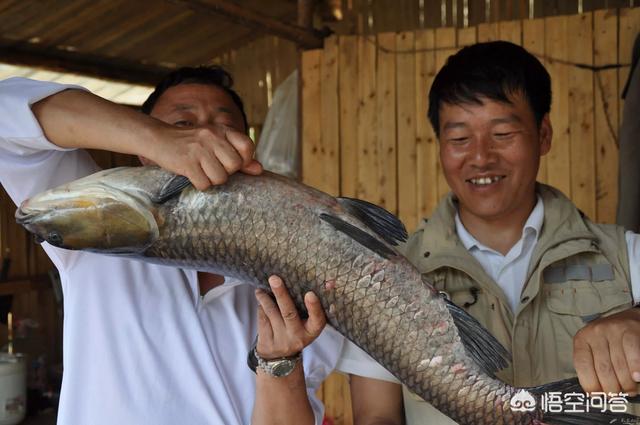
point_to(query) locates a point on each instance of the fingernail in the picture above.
(636, 376)
(275, 283)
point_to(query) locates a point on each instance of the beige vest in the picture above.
(579, 271)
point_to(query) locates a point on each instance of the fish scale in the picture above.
(341, 249)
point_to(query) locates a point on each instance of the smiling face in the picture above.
(197, 105)
(490, 154)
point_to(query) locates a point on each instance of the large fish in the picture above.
(341, 249)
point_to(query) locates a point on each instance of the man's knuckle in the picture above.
(220, 178)
(290, 314)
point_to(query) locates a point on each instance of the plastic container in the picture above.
(13, 388)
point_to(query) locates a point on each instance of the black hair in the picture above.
(211, 75)
(495, 70)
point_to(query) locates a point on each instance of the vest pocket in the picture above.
(569, 307)
(584, 298)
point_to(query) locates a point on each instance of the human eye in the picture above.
(458, 140)
(505, 132)
(183, 123)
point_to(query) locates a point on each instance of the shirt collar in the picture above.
(532, 226)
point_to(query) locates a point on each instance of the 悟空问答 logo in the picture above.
(523, 401)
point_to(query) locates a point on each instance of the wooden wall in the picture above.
(365, 133)
(376, 16)
(258, 69)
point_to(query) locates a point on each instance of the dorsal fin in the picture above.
(479, 344)
(362, 237)
(171, 188)
(381, 221)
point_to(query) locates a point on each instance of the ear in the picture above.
(545, 135)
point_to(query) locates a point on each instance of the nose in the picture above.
(483, 153)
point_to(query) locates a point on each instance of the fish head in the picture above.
(112, 211)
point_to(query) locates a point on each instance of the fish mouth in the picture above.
(25, 217)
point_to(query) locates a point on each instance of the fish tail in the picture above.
(590, 418)
(581, 414)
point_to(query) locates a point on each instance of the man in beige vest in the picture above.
(556, 289)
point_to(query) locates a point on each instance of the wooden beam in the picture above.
(56, 59)
(305, 13)
(304, 37)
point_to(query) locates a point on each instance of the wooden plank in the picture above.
(348, 82)
(445, 46)
(330, 118)
(406, 85)
(488, 32)
(336, 397)
(17, 241)
(368, 153)
(312, 166)
(605, 24)
(558, 159)
(629, 28)
(386, 115)
(426, 141)
(511, 31)
(582, 141)
(533, 40)
(467, 36)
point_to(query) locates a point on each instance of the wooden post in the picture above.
(305, 13)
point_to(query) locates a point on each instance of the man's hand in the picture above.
(207, 155)
(281, 331)
(606, 353)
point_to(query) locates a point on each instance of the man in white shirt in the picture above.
(556, 289)
(148, 344)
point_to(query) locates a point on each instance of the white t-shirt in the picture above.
(140, 345)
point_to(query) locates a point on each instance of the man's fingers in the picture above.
(271, 311)
(265, 333)
(288, 310)
(631, 348)
(198, 177)
(254, 168)
(621, 368)
(604, 366)
(215, 171)
(583, 362)
(317, 320)
(242, 144)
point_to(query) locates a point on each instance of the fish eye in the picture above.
(54, 238)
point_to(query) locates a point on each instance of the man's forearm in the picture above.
(79, 119)
(282, 400)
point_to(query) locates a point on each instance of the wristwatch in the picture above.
(278, 367)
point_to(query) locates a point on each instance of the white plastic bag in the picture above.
(278, 149)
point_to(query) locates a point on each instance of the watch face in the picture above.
(282, 367)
